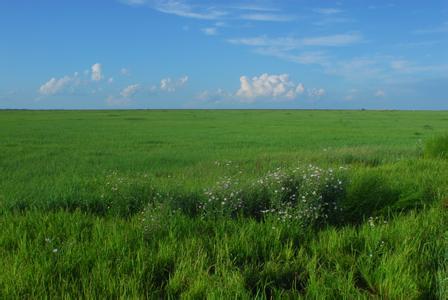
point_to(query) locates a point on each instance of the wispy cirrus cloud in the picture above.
(289, 43)
(336, 40)
(254, 7)
(268, 17)
(304, 58)
(327, 11)
(442, 28)
(213, 10)
(306, 51)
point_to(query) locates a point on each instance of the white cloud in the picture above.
(267, 17)
(183, 9)
(408, 67)
(254, 7)
(217, 96)
(443, 28)
(290, 43)
(316, 93)
(300, 89)
(327, 11)
(204, 10)
(170, 85)
(125, 96)
(130, 90)
(54, 85)
(110, 80)
(209, 31)
(183, 80)
(69, 83)
(305, 58)
(267, 86)
(380, 94)
(335, 40)
(166, 84)
(134, 2)
(220, 24)
(332, 20)
(96, 72)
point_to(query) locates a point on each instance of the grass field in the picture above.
(224, 204)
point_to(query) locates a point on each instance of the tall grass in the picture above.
(437, 147)
(60, 254)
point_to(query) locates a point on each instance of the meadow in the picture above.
(220, 204)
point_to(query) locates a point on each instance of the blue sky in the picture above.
(223, 54)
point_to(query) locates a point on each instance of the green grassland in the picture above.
(224, 204)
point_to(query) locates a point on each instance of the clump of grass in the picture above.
(367, 195)
(437, 147)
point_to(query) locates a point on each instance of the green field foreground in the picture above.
(224, 204)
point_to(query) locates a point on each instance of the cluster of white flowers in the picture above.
(225, 198)
(308, 195)
(114, 181)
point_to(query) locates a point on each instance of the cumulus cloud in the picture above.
(216, 96)
(316, 92)
(130, 90)
(96, 71)
(166, 84)
(170, 85)
(54, 85)
(57, 85)
(268, 86)
(125, 96)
